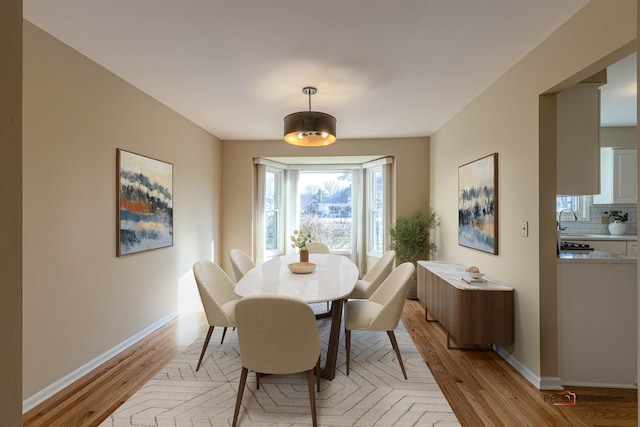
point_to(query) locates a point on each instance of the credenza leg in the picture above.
(488, 346)
(426, 316)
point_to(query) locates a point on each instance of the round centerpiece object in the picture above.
(302, 267)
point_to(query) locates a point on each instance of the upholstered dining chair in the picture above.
(381, 312)
(218, 299)
(277, 335)
(318, 248)
(366, 286)
(241, 263)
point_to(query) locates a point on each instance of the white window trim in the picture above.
(289, 188)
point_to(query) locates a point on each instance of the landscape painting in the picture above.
(478, 204)
(145, 203)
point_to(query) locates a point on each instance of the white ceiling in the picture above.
(237, 67)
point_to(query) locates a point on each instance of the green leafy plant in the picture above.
(301, 237)
(618, 215)
(410, 235)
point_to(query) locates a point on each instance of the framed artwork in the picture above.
(145, 203)
(478, 204)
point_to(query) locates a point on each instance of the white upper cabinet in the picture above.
(618, 168)
(578, 141)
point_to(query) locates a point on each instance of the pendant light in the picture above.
(310, 128)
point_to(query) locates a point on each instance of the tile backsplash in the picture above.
(593, 225)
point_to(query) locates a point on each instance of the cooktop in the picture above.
(573, 246)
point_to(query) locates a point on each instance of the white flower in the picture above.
(301, 237)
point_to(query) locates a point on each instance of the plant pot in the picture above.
(617, 228)
(413, 289)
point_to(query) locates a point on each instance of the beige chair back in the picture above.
(392, 294)
(381, 269)
(375, 276)
(216, 291)
(241, 263)
(318, 248)
(277, 335)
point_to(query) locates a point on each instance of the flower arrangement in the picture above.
(301, 237)
(618, 215)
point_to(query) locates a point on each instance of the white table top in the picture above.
(454, 273)
(334, 277)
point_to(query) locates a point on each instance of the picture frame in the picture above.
(144, 188)
(478, 204)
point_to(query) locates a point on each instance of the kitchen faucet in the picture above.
(575, 218)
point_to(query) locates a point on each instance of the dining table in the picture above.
(333, 279)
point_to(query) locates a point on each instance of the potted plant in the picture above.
(410, 238)
(618, 225)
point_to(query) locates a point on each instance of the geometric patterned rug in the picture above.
(374, 394)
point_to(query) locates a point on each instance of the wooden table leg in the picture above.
(329, 370)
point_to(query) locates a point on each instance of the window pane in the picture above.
(270, 191)
(271, 230)
(566, 202)
(377, 198)
(377, 231)
(377, 190)
(272, 217)
(580, 205)
(325, 206)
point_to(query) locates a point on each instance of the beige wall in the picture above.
(80, 300)
(505, 119)
(411, 160)
(11, 212)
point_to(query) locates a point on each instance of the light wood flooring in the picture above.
(482, 388)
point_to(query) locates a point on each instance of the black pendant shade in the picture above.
(310, 128)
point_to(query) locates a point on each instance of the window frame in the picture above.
(582, 206)
(374, 212)
(278, 208)
(290, 209)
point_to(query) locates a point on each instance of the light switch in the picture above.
(524, 229)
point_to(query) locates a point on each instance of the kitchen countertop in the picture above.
(569, 237)
(595, 257)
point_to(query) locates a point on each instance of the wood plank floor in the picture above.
(480, 386)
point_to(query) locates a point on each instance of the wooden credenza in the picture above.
(477, 313)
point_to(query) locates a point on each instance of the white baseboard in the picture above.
(568, 384)
(550, 383)
(47, 392)
(541, 383)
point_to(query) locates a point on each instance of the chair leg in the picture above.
(224, 332)
(317, 372)
(204, 346)
(243, 382)
(257, 380)
(347, 343)
(394, 344)
(312, 397)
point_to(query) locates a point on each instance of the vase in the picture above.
(617, 228)
(304, 255)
